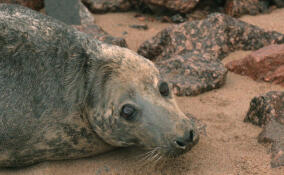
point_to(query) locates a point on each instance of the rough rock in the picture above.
(85, 15)
(266, 64)
(240, 7)
(192, 74)
(182, 6)
(98, 33)
(33, 4)
(102, 6)
(268, 111)
(209, 40)
(265, 108)
(89, 27)
(279, 3)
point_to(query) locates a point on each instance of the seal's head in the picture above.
(130, 104)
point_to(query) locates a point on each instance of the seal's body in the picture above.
(64, 95)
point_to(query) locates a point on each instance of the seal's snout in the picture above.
(186, 142)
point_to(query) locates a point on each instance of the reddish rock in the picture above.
(33, 4)
(268, 111)
(266, 64)
(189, 54)
(241, 7)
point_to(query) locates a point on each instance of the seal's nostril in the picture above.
(191, 135)
(180, 144)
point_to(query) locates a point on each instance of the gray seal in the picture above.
(64, 95)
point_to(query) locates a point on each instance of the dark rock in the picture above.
(211, 39)
(102, 6)
(266, 64)
(279, 3)
(64, 10)
(177, 18)
(139, 26)
(266, 108)
(182, 6)
(268, 111)
(33, 4)
(241, 7)
(98, 33)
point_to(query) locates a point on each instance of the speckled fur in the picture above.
(61, 93)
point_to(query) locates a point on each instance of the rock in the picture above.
(177, 18)
(268, 111)
(273, 133)
(33, 4)
(86, 16)
(278, 153)
(88, 27)
(279, 3)
(210, 39)
(265, 108)
(241, 7)
(265, 64)
(182, 6)
(98, 33)
(139, 26)
(102, 6)
(64, 10)
(192, 74)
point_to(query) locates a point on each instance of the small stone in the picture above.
(139, 26)
(178, 19)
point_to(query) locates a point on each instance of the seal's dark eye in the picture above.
(128, 112)
(164, 89)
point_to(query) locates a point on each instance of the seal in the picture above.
(64, 95)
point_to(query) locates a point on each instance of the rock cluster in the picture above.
(265, 64)
(268, 111)
(189, 54)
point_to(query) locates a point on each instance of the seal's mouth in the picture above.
(171, 150)
(176, 149)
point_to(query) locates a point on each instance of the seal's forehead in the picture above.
(132, 67)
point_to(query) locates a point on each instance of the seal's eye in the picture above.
(164, 89)
(128, 112)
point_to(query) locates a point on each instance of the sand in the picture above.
(230, 146)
